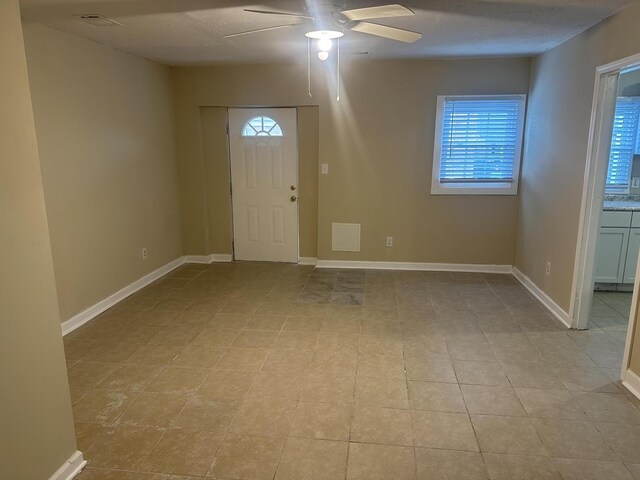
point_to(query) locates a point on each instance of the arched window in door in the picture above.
(262, 127)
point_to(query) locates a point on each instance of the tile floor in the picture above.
(610, 313)
(263, 371)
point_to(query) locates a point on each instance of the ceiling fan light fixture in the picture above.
(321, 34)
(325, 44)
(343, 20)
(323, 40)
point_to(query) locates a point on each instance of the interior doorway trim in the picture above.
(598, 148)
(629, 378)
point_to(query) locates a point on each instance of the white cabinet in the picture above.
(618, 247)
(632, 255)
(616, 219)
(611, 254)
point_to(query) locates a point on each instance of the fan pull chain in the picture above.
(309, 67)
(338, 71)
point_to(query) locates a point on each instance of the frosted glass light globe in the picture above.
(324, 44)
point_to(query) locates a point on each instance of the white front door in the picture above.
(264, 181)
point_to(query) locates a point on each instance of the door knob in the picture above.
(293, 187)
(293, 198)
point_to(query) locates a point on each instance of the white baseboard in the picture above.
(307, 261)
(204, 259)
(632, 381)
(427, 267)
(555, 309)
(70, 468)
(208, 259)
(95, 310)
(221, 257)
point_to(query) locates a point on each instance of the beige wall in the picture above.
(104, 121)
(378, 142)
(308, 159)
(216, 231)
(560, 101)
(36, 425)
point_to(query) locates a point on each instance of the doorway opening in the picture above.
(605, 287)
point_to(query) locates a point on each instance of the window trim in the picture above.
(480, 187)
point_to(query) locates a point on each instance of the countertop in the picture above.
(621, 206)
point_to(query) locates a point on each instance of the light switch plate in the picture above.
(635, 182)
(325, 169)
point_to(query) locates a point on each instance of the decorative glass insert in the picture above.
(262, 127)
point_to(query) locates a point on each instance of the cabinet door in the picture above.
(632, 256)
(616, 219)
(611, 254)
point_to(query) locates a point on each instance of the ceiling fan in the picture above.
(330, 18)
(329, 24)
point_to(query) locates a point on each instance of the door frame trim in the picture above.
(233, 230)
(593, 190)
(598, 147)
(626, 374)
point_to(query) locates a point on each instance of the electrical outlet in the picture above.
(325, 169)
(389, 241)
(144, 253)
(547, 270)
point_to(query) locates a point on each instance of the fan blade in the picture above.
(257, 30)
(383, 11)
(269, 12)
(393, 33)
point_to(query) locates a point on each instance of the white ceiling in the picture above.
(189, 32)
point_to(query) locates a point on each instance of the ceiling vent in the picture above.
(98, 20)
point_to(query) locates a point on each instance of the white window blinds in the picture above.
(481, 139)
(623, 143)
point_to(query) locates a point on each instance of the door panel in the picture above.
(264, 167)
(632, 255)
(250, 173)
(252, 224)
(277, 225)
(277, 170)
(611, 254)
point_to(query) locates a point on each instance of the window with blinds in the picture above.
(624, 140)
(478, 144)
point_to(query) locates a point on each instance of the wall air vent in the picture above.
(345, 237)
(98, 20)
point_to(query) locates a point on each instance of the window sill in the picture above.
(508, 189)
